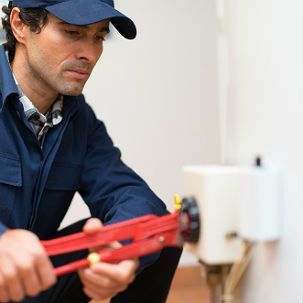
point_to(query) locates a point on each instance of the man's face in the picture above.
(62, 56)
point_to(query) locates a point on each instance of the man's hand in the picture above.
(103, 280)
(25, 269)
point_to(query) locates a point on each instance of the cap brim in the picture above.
(83, 12)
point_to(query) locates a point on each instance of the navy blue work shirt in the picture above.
(37, 185)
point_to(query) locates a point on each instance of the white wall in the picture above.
(158, 94)
(264, 101)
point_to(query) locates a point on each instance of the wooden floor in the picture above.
(188, 287)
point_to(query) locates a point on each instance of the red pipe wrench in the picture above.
(147, 234)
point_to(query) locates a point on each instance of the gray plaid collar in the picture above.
(53, 116)
(39, 122)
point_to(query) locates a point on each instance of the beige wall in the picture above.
(263, 77)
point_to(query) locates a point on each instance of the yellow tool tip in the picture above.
(178, 202)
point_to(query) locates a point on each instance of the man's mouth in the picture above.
(79, 74)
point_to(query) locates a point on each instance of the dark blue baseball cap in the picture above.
(83, 12)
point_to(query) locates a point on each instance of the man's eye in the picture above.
(72, 33)
(100, 38)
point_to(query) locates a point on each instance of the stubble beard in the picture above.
(62, 86)
(70, 88)
(56, 80)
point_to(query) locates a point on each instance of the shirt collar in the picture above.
(55, 111)
(7, 82)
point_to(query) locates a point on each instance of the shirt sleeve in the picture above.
(111, 189)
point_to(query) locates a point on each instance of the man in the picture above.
(52, 145)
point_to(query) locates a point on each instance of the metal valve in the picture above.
(190, 220)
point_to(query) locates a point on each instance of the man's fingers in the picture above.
(31, 280)
(45, 271)
(14, 284)
(4, 297)
(99, 295)
(25, 268)
(92, 225)
(99, 289)
(97, 280)
(104, 280)
(96, 296)
(115, 244)
(122, 272)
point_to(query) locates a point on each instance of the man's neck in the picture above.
(33, 87)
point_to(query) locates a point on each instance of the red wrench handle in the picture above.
(134, 250)
(115, 232)
(147, 233)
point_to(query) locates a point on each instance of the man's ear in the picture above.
(17, 25)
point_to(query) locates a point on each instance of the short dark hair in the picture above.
(35, 18)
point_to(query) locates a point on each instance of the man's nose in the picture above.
(89, 52)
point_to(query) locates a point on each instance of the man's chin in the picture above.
(71, 91)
